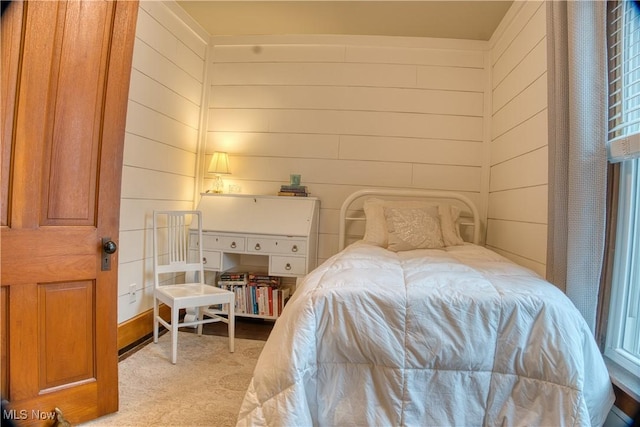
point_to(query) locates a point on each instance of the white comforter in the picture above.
(427, 337)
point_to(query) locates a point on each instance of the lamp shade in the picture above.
(219, 163)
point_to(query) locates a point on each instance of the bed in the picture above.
(412, 325)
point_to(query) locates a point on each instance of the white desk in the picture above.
(240, 229)
(276, 235)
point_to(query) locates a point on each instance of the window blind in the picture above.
(623, 21)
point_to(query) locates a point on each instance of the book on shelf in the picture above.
(280, 299)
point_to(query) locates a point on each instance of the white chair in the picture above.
(177, 252)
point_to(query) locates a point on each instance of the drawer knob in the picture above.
(204, 259)
(233, 245)
(287, 267)
(258, 246)
(294, 248)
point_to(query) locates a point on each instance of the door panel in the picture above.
(4, 341)
(61, 196)
(11, 29)
(66, 342)
(71, 151)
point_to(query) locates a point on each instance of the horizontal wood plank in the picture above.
(528, 136)
(527, 170)
(524, 239)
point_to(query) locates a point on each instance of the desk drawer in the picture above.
(276, 246)
(222, 242)
(288, 266)
(212, 260)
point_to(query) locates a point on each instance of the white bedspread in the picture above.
(427, 337)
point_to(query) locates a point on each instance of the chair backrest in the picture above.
(176, 244)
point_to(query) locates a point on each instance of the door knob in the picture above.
(109, 247)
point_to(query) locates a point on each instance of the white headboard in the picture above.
(410, 194)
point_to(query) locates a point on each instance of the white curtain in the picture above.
(577, 75)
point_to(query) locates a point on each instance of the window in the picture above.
(623, 335)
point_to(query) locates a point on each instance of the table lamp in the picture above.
(219, 166)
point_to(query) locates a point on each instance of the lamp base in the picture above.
(218, 185)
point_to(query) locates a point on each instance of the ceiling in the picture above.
(454, 19)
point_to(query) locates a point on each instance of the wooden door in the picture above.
(65, 77)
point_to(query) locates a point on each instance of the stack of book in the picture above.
(233, 278)
(236, 283)
(261, 279)
(266, 295)
(256, 294)
(293, 190)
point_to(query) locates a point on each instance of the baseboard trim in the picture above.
(138, 328)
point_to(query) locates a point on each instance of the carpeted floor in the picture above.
(204, 388)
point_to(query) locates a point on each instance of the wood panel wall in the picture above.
(517, 203)
(347, 113)
(162, 139)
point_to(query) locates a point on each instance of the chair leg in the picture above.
(199, 317)
(232, 325)
(174, 335)
(155, 320)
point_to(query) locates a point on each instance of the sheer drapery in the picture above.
(577, 54)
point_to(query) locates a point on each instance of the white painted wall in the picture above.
(517, 204)
(348, 112)
(162, 139)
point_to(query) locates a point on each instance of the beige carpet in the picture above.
(204, 388)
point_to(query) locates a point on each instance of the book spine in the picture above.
(292, 194)
(284, 298)
(233, 276)
(254, 300)
(294, 188)
(228, 283)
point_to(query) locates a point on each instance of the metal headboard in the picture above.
(413, 194)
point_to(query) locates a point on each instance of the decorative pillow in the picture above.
(376, 226)
(449, 215)
(413, 228)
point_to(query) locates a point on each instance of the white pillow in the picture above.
(449, 215)
(376, 226)
(375, 231)
(413, 228)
